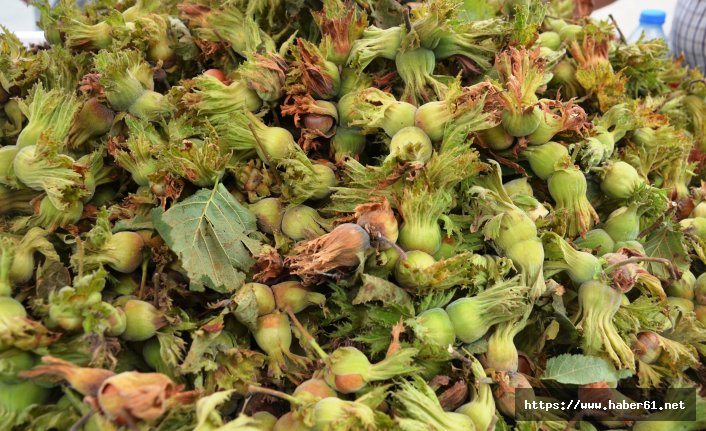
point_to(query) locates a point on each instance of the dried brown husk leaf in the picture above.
(572, 116)
(265, 74)
(378, 219)
(303, 105)
(330, 255)
(627, 275)
(269, 265)
(24, 333)
(341, 23)
(85, 380)
(132, 396)
(595, 73)
(312, 69)
(522, 72)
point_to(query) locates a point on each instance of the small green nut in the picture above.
(10, 307)
(700, 290)
(143, 320)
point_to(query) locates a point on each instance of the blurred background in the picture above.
(18, 17)
(627, 12)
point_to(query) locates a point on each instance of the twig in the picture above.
(455, 354)
(653, 227)
(379, 237)
(620, 32)
(267, 391)
(306, 334)
(82, 421)
(638, 259)
(407, 21)
(275, 117)
(143, 279)
(245, 404)
(81, 254)
(156, 283)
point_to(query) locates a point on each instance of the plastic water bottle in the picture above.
(651, 21)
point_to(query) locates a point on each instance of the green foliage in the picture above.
(212, 234)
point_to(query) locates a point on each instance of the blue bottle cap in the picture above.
(652, 16)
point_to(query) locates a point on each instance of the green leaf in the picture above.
(386, 13)
(383, 316)
(435, 300)
(91, 283)
(667, 242)
(501, 425)
(377, 340)
(378, 289)
(51, 276)
(580, 370)
(139, 222)
(528, 17)
(171, 349)
(207, 415)
(477, 347)
(568, 333)
(213, 235)
(238, 368)
(476, 10)
(202, 353)
(552, 330)
(246, 310)
(642, 314)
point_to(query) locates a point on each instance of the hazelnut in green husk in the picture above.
(143, 320)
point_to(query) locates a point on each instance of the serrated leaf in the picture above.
(568, 333)
(580, 370)
(383, 316)
(213, 235)
(207, 415)
(378, 289)
(375, 396)
(492, 227)
(476, 10)
(528, 17)
(139, 222)
(238, 368)
(435, 300)
(201, 354)
(171, 349)
(246, 310)
(642, 314)
(51, 276)
(477, 347)
(377, 340)
(91, 283)
(668, 243)
(552, 330)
